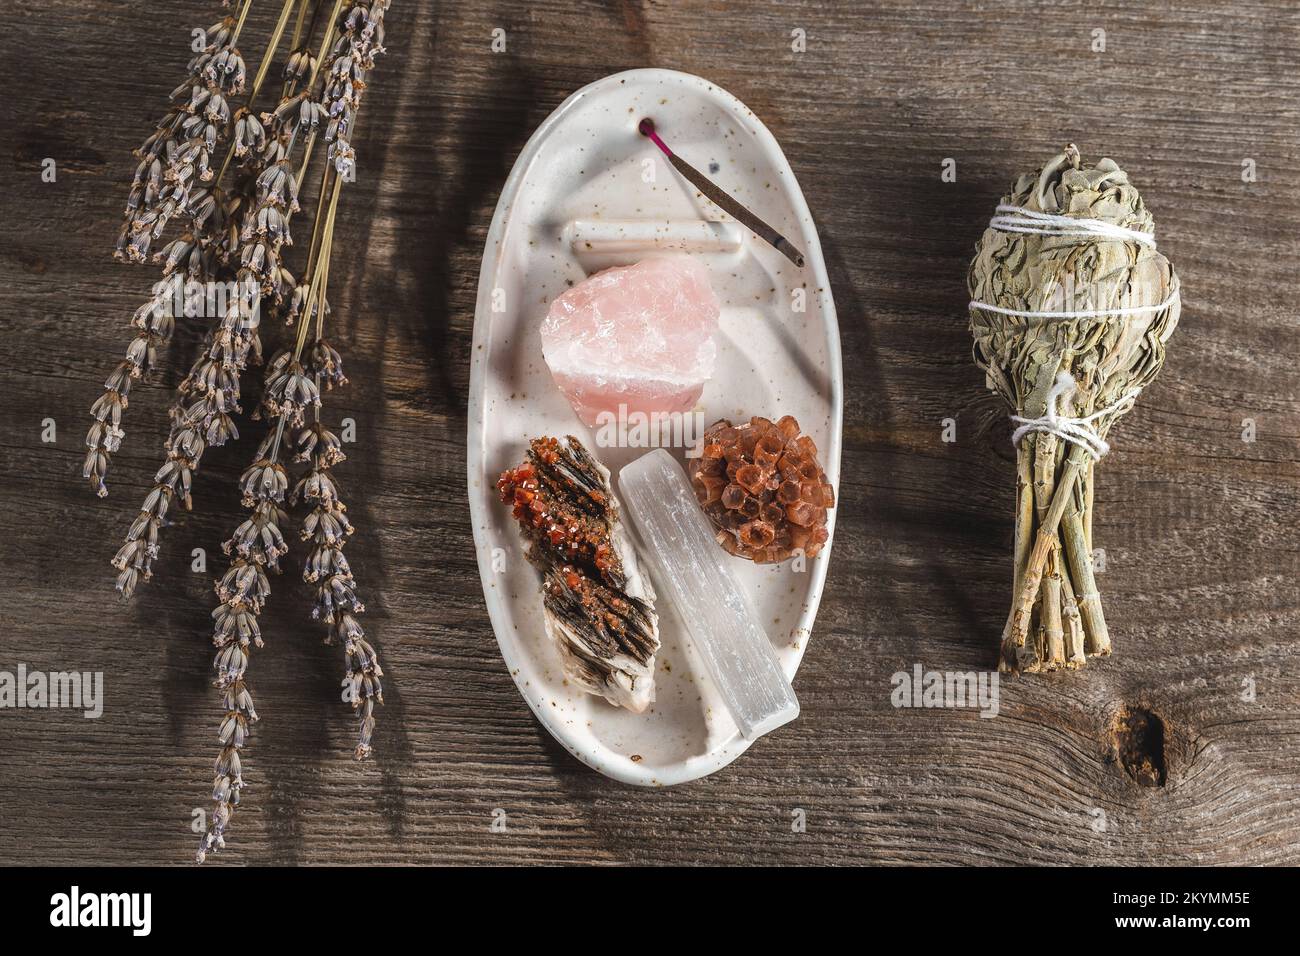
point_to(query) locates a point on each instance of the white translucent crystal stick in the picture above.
(693, 576)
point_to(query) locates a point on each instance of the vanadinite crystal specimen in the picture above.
(763, 488)
(598, 606)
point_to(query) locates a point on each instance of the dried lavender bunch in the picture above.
(291, 392)
(1071, 309)
(228, 265)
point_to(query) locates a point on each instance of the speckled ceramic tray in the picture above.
(587, 193)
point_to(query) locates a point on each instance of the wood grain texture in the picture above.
(1199, 527)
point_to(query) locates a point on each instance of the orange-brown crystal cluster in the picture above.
(763, 488)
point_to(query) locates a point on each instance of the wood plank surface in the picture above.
(1202, 581)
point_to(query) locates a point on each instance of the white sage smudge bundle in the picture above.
(1071, 307)
(227, 266)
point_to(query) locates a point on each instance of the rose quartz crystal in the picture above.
(640, 336)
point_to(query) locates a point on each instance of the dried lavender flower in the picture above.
(326, 365)
(327, 528)
(361, 41)
(257, 546)
(178, 155)
(227, 264)
(290, 392)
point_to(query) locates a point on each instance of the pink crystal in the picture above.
(640, 336)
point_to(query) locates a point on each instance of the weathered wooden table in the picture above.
(1199, 525)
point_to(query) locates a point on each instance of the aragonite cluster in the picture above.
(764, 489)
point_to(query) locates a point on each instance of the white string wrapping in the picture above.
(1079, 431)
(1010, 218)
(1084, 314)
(1018, 219)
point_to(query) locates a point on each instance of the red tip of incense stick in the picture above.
(647, 128)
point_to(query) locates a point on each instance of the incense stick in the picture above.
(719, 198)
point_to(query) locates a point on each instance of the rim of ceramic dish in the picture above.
(734, 746)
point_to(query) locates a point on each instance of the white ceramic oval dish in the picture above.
(586, 172)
